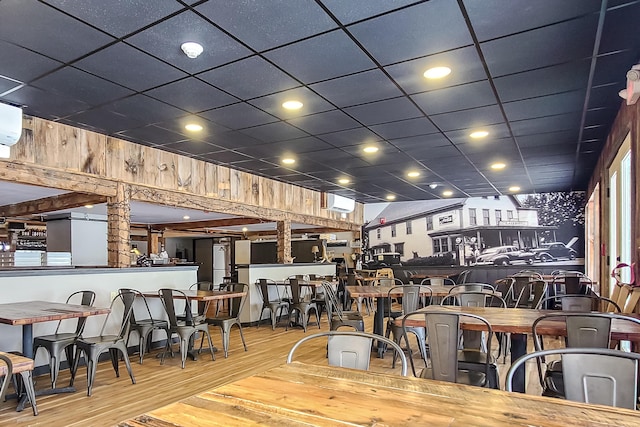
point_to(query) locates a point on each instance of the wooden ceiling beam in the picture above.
(51, 204)
(213, 223)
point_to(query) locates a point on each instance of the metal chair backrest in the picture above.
(294, 286)
(350, 349)
(86, 298)
(593, 375)
(264, 285)
(331, 300)
(139, 297)
(167, 296)
(443, 332)
(127, 298)
(579, 302)
(410, 297)
(384, 272)
(202, 286)
(474, 299)
(7, 373)
(520, 289)
(438, 281)
(472, 287)
(236, 303)
(462, 277)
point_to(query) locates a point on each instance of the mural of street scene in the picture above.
(499, 230)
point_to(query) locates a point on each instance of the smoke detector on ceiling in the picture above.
(192, 49)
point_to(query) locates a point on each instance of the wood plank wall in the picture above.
(627, 121)
(63, 155)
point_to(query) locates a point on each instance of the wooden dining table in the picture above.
(518, 322)
(26, 313)
(302, 395)
(381, 292)
(201, 295)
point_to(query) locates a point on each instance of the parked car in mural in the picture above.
(553, 251)
(504, 255)
(382, 260)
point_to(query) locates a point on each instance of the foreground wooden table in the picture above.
(300, 394)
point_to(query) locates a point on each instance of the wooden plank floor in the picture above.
(116, 399)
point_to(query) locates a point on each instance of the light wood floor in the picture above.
(116, 399)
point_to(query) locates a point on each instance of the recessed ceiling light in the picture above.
(498, 166)
(514, 189)
(437, 72)
(193, 127)
(447, 193)
(479, 134)
(391, 197)
(192, 49)
(245, 229)
(88, 206)
(186, 217)
(292, 105)
(288, 161)
(413, 174)
(343, 181)
(433, 186)
(370, 149)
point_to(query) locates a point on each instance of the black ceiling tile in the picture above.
(24, 65)
(145, 109)
(294, 177)
(40, 103)
(420, 141)
(464, 63)
(234, 139)
(329, 121)
(384, 150)
(118, 18)
(105, 120)
(384, 111)
(405, 128)
(344, 138)
(249, 78)
(327, 155)
(155, 135)
(546, 124)
(461, 97)
(164, 40)
(301, 145)
(544, 81)
(356, 10)
(80, 85)
(541, 47)
(252, 165)
(608, 67)
(595, 132)
(553, 150)
(238, 116)
(227, 156)
(424, 29)
(322, 57)
(496, 18)
(312, 103)
(209, 130)
(615, 33)
(346, 163)
(7, 84)
(432, 153)
(192, 95)
(602, 117)
(197, 148)
(25, 21)
(472, 118)
(301, 165)
(271, 132)
(547, 138)
(606, 96)
(359, 88)
(566, 102)
(264, 25)
(482, 147)
(129, 67)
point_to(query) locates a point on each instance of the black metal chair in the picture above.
(144, 326)
(225, 323)
(300, 308)
(58, 342)
(271, 301)
(93, 347)
(185, 329)
(337, 316)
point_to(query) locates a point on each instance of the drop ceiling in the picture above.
(542, 77)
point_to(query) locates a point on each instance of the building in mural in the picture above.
(496, 230)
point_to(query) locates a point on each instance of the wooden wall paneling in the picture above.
(237, 187)
(24, 150)
(46, 143)
(224, 182)
(210, 177)
(79, 150)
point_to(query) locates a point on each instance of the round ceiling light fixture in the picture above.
(437, 72)
(413, 174)
(370, 149)
(447, 193)
(479, 134)
(514, 188)
(343, 181)
(288, 161)
(391, 197)
(498, 166)
(186, 217)
(88, 206)
(292, 105)
(192, 49)
(193, 127)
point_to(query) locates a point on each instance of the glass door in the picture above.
(620, 199)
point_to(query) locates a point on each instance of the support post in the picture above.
(118, 227)
(284, 242)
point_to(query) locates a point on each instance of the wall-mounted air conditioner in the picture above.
(340, 203)
(10, 127)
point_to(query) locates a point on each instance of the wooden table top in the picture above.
(299, 394)
(383, 291)
(29, 312)
(520, 320)
(199, 295)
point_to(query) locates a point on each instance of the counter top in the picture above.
(67, 271)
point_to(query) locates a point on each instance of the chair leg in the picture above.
(213, 357)
(184, 344)
(225, 341)
(74, 366)
(27, 380)
(242, 336)
(113, 354)
(92, 366)
(123, 349)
